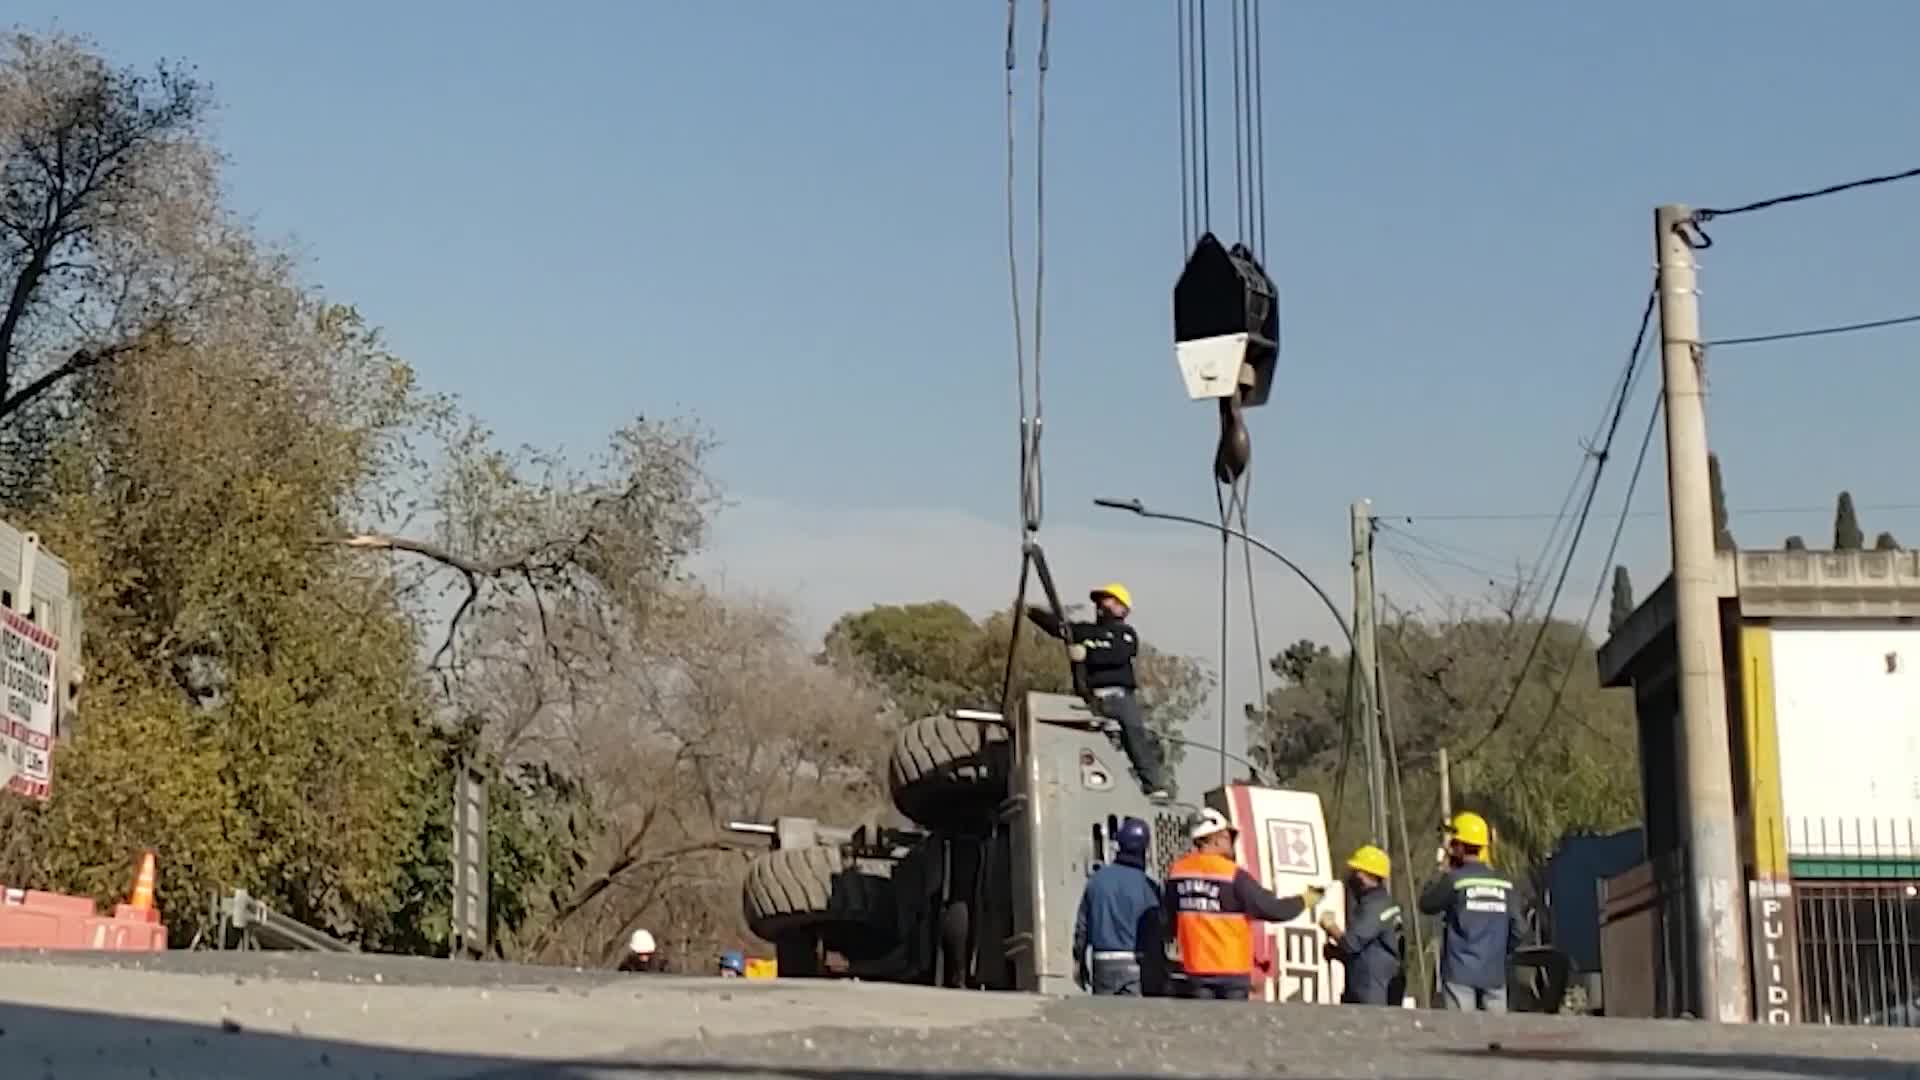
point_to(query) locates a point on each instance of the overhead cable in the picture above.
(1601, 454)
(1701, 217)
(1601, 583)
(1824, 331)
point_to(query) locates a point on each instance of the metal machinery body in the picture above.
(985, 895)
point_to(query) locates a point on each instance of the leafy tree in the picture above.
(257, 712)
(1722, 535)
(1546, 769)
(930, 657)
(1846, 525)
(1795, 543)
(107, 196)
(1885, 542)
(1622, 600)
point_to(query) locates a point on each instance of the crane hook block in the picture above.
(1226, 324)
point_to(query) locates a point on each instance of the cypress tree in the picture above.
(1846, 525)
(1722, 535)
(1622, 600)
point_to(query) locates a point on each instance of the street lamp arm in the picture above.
(1253, 770)
(1134, 506)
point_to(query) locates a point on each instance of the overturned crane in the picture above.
(1011, 815)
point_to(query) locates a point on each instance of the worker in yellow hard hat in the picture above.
(1479, 927)
(1105, 649)
(1370, 945)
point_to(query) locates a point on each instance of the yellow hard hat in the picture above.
(1371, 860)
(1470, 829)
(1114, 589)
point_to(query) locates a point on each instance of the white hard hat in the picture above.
(641, 942)
(1210, 822)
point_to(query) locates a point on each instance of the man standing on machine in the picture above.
(1105, 648)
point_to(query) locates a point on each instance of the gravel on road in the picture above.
(212, 1016)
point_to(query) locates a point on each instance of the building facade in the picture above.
(1821, 651)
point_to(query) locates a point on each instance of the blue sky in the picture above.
(787, 219)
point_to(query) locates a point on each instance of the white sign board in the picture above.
(27, 659)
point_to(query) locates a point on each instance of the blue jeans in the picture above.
(1460, 997)
(1116, 976)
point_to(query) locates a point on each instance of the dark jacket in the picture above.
(1371, 948)
(1111, 646)
(1211, 901)
(1119, 911)
(1478, 925)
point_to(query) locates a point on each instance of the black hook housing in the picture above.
(1226, 291)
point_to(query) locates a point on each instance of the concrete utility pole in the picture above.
(1366, 660)
(1716, 924)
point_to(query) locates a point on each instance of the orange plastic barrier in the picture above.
(30, 919)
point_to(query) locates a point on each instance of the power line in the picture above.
(1580, 525)
(1599, 587)
(1701, 217)
(1824, 331)
(1751, 511)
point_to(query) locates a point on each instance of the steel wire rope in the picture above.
(1182, 15)
(1032, 480)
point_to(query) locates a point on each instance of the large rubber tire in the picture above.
(946, 773)
(807, 889)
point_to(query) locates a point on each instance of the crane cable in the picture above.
(1032, 409)
(1232, 488)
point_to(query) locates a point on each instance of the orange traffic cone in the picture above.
(142, 899)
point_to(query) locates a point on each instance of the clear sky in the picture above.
(788, 220)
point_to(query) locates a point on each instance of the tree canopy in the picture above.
(312, 589)
(1537, 769)
(932, 656)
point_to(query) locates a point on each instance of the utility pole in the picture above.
(1717, 937)
(1366, 659)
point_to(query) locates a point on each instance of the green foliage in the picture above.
(538, 840)
(1445, 681)
(930, 657)
(1795, 543)
(256, 711)
(1885, 542)
(1846, 525)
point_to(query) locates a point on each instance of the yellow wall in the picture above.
(1767, 837)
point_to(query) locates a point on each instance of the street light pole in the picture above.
(1135, 507)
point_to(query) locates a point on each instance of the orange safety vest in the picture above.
(1211, 927)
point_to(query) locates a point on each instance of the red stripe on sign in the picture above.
(27, 629)
(1240, 801)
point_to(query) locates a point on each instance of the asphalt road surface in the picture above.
(214, 1016)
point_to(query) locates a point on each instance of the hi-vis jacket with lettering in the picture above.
(1210, 899)
(1478, 926)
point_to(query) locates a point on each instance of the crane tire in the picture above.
(805, 888)
(945, 772)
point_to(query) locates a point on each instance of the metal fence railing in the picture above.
(1856, 900)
